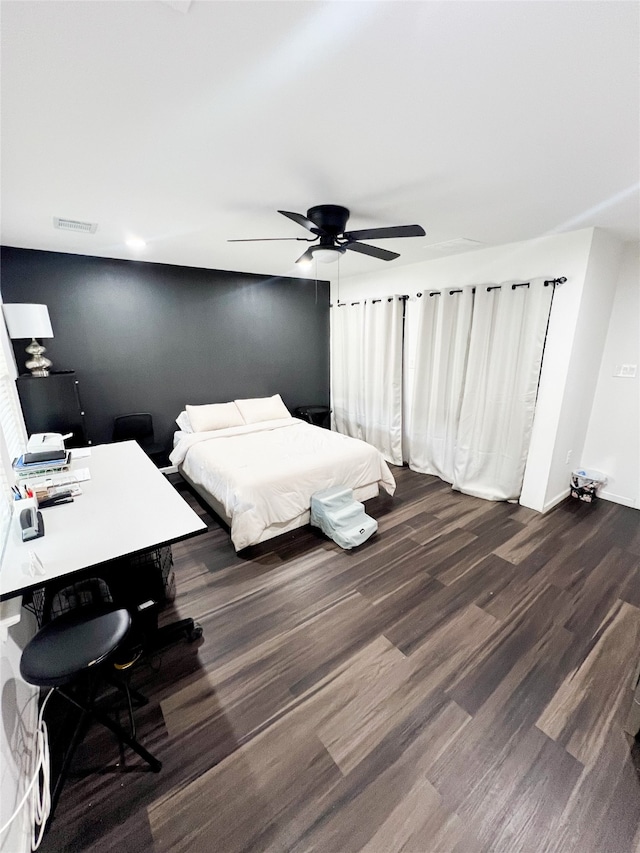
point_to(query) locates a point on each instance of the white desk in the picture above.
(126, 507)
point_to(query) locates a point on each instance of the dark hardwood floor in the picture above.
(458, 683)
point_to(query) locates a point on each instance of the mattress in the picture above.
(260, 477)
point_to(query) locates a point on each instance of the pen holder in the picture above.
(29, 519)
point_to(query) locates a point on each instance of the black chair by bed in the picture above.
(139, 427)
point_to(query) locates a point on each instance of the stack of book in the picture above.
(38, 464)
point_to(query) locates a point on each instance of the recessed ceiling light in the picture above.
(136, 243)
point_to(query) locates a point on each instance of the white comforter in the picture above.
(266, 473)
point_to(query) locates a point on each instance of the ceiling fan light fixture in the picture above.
(327, 254)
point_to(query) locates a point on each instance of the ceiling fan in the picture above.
(327, 222)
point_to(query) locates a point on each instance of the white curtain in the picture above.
(366, 373)
(505, 354)
(347, 332)
(442, 321)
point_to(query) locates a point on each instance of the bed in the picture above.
(259, 476)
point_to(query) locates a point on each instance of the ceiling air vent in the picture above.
(74, 225)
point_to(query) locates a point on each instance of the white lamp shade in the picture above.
(326, 255)
(27, 321)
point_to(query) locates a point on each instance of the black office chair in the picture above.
(71, 652)
(139, 427)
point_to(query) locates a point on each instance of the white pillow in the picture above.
(214, 416)
(262, 409)
(183, 422)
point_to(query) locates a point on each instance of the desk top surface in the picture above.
(126, 507)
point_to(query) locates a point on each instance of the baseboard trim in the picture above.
(617, 499)
(603, 494)
(549, 505)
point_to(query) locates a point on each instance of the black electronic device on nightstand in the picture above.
(316, 415)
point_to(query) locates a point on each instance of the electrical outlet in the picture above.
(566, 461)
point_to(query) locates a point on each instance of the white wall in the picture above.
(585, 331)
(612, 443)
(588, 259)
(19, 700)
(551, 256)
(17, 741)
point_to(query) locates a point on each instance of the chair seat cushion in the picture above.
(73, 643)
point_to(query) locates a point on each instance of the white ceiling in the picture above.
(190, 123)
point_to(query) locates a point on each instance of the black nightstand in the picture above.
(52, 404)
(316, 415)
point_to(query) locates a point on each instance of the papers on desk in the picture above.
(36, 568)
(80, 452)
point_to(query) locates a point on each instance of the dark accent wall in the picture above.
(146, 337)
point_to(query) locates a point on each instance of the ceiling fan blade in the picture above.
(374, 251)
(302, 220)
(306, 257)
(385, 233)
(263, 239)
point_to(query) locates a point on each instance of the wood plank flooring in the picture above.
(458, 684)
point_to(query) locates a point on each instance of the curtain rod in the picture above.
(551, 281)
(389, 299)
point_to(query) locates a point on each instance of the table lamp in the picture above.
(30, 321)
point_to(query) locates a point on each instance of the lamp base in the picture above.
(37, 364)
